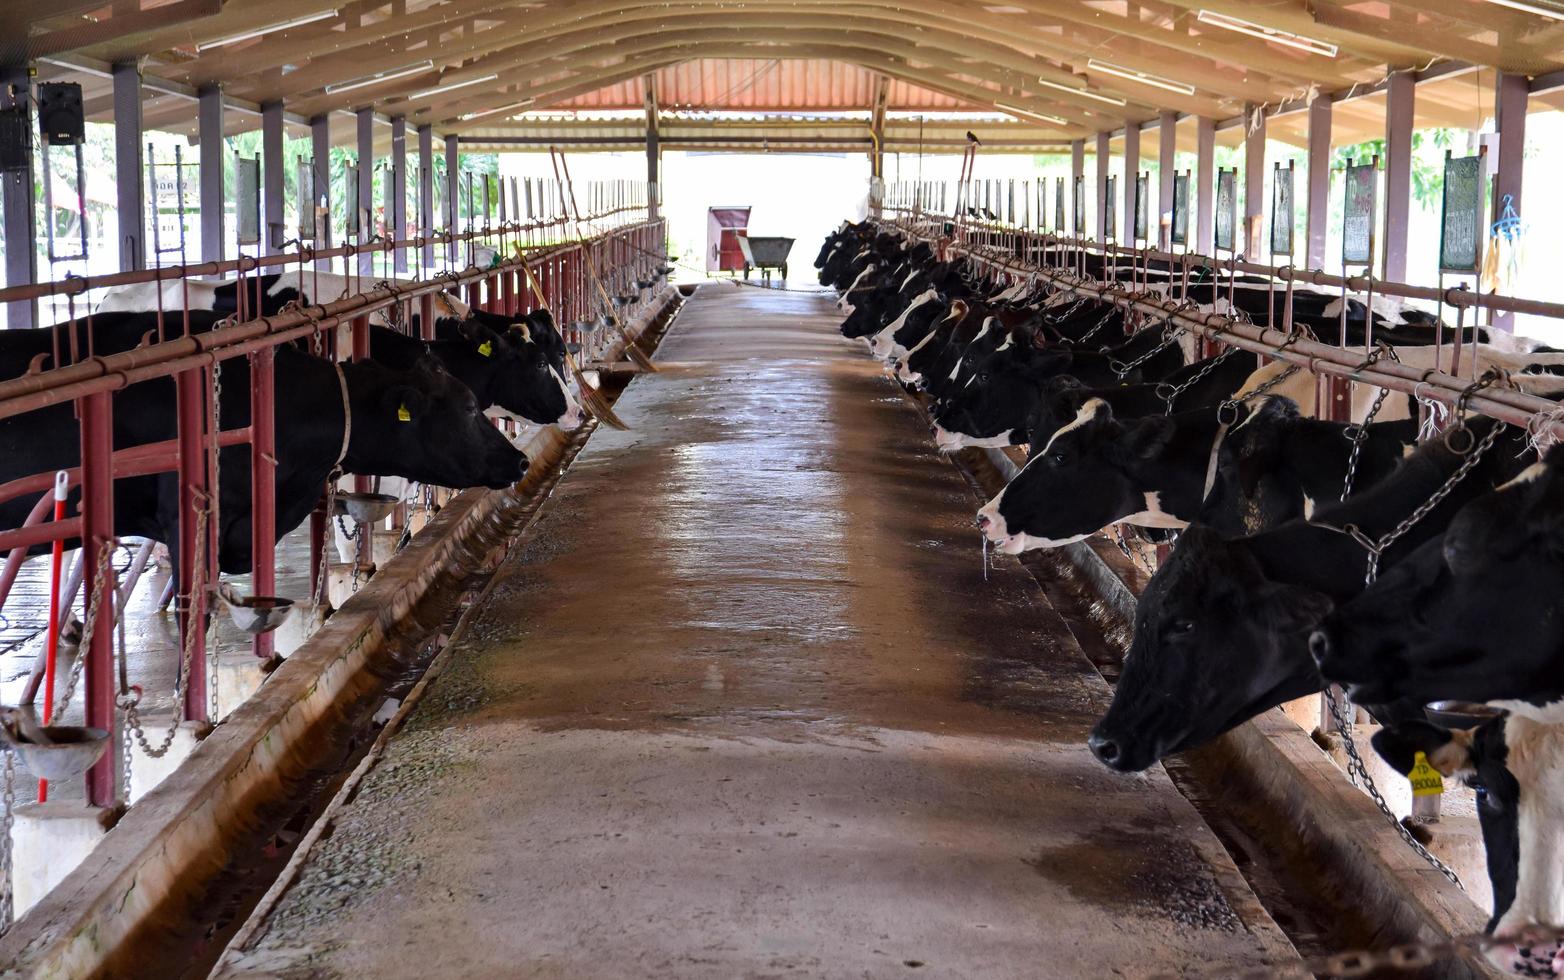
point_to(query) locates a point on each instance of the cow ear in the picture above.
(1144, 438)
(1292, 609)
(429, 366)
(1446, 750)
(404, 403)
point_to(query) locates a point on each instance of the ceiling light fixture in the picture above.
(1015, 110)
(464, 117)
(426, 93)
(378, 77)
(1144, 78)
(259, 31)
(1110, 99)
(1553, 13)
(1305, 44)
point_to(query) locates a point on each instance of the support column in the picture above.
(653, 149)
(129, 175)
(1102, 186)
(275, 228)
(426, 188)
(366, 186)
(1205, 183)
(882, 89)
(1254, 181)
(1131, 171)
(1167, 147)
(210, 135)
(16, 200)
(1319, 181)
(320, 158)
(1400, 105)
(399, 188)
(452, 179)
(1510, 97)
(1077, 170)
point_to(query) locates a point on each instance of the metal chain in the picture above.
(1359, 433)
(101, 574)
(320, 591)
(129, 699)
(1122, 368)
(1169, 393)
(216, 498)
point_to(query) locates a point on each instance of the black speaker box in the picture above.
(60, 114)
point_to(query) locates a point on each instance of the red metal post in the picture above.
(366, 553)
(508, 295)
(194, 499)
(97, 507)
(263, 484)
(426, 316)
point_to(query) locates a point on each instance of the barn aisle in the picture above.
(744, 705)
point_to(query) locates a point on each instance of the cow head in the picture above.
(1216, 642)
(424, 425)
(1516, 765)
(1092, 472)
(992, 406)
(1472, 615)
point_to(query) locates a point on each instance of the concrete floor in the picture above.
(745, 705)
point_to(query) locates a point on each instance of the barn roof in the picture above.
(1055, 69)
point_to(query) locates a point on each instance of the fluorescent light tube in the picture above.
(1018, 111)
(1531, 8)
(494, 112)
(1144, 78)
(1110, 99)
(1306, 44)
(426, 93)
(259, 31)
(379, 77)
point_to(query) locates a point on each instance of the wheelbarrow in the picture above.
(764, 254)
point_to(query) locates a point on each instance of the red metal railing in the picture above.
(91, 382)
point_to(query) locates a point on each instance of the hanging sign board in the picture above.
(1109, 210)
(1080, 206)
(1059, 207)
(1357, 238)
(1462, 215)
(247, 208)
(1142, 204)
(305, 172)
(1281, 210)
(1226, 208)
(1179, 234)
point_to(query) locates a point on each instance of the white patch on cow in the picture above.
(998, 532)
(884, 344)
(946, 440)
(1528, 475)
(1154, 515)
(572, 417)
(1009, 341)
(905, 281)
(1551, 713)
(842, 303)
(1535, 757)
(1308, 507)
(1088, 411)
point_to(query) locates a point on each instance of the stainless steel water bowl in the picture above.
(623, 301)
(258, 614)
(1460, 714)
(645, 283)
(69, 752)
(364, 507)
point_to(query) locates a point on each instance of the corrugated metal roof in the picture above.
(758, 83)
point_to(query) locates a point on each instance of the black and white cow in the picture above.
(1222, 629)
(420, 424)
(1516, 765)
(1470, 616)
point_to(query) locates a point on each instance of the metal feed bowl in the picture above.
(365, 507)
(1460, 714)
(645, 283)
(623, 301)
(257, 614)
(51, 751)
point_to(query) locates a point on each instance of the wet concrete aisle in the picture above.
(744, 706)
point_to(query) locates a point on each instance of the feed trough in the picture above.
(51, 752)
(364, 507)
(765, 254)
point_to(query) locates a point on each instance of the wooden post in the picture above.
(1511, 94)
(1167, 147)
(210, 135)
(320, 152)
(130, 181)
(399, 189)
(1131, 173)
(272, 232)
(1400, 105)
(452, 178)
(366, 187)
(1319, 181)
(1205, 183)
(1103, 139)
(653, 150)
(16, 201)
(1254, 182)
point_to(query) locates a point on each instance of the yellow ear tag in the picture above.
(402, 414)
(1425, 779)
(486, 348)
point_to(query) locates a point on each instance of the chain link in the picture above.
(130, 697)
(1359, 432)
(1169, 393)
(101, 574)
